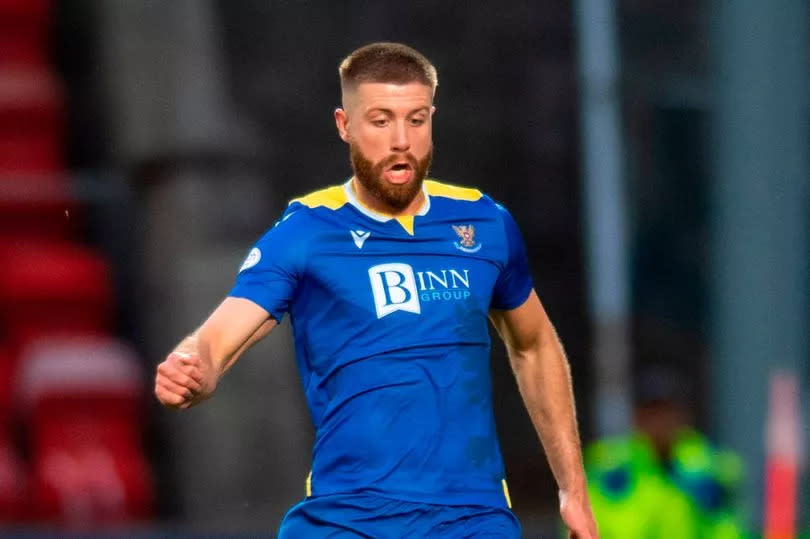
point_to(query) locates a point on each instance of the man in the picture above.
(389, 280)
(664, 463)
(631, 494)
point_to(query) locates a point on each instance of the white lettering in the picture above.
(395, 287)
(464, 280)
(421, 275)
(432, 277)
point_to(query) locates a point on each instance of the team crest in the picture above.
(466, 236)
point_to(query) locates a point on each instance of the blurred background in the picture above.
(655, 155)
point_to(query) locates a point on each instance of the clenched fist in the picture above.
(182, 381)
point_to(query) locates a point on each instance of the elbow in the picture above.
(542, 353)
(523, 360)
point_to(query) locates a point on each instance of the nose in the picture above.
(399, 138)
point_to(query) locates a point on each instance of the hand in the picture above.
(181, 381)
(575, 510)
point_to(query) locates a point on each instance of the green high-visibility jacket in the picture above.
(711, 478)
(631, 495)
(636, 496)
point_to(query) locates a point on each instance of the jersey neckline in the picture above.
(405, 220)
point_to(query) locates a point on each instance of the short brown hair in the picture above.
(386, 62)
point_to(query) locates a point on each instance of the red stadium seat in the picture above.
(12, 472)
(31, 122)
(37, 207)
(48, 288)
(34, 192)
(24, 31)
(7, 365)
(13, 484)
(82, 398)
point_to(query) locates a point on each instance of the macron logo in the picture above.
(359, 237)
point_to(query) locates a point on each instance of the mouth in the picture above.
(399, 173)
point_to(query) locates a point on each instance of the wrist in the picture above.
(577, 488)
(187, 346)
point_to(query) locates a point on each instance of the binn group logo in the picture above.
(397, 287)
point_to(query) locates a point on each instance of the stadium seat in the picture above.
(82, 399)
(31, 121)
(24, 31)
(6, 378)
(12, 472)
(13, 483)
(34, 193)
(51, 287)
(37, 207)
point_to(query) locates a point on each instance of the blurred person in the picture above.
(664, 480)
(631, 495)
(389, 280)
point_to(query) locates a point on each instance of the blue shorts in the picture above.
(363, 515)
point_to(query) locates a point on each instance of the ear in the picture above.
(342, 124)
(432, 110)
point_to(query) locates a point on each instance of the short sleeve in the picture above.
(514, 283)
(272, 269)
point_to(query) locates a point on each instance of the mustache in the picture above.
(394, 158)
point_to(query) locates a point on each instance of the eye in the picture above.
(416, 122)
(379, 122)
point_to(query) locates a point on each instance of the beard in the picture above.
(370, 176)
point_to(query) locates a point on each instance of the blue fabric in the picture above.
(392, 342)
(352, 515)
(513, 284)
(272, 281)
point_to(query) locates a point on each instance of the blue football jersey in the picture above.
(391, 334)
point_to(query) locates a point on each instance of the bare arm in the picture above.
(231, 329)
(544, 381)
(192, 370)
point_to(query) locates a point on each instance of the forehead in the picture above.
(371, 95)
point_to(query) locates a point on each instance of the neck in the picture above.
(367, 199)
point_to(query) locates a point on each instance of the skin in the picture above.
(381, 120)
(544, 381)
(388, 121)
(662, 421)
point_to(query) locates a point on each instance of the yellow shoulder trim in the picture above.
(332, 197)
(435, 188)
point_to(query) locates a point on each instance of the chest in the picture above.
(444, 267)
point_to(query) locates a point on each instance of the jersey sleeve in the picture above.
(514, 283)
(273, 267)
